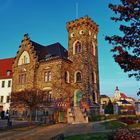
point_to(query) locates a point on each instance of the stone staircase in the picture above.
(76, 116)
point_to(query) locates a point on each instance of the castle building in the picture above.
(71, 73)
(5, 83)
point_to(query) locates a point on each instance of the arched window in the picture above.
(94, 97)
(78, 77)
(77, 48)
(66, 76)
(93, 49)
(92, 76)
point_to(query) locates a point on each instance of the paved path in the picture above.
(46, 132)
(3, 123)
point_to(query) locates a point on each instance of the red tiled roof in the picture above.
(5, 65)
(123, 95)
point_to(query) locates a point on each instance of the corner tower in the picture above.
(83, 52)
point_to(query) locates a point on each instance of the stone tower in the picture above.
(83, 52)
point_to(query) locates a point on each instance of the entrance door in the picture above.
(61, 117)
(78, 97)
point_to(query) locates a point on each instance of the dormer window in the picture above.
(8, 73)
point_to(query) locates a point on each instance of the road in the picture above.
(47, 132)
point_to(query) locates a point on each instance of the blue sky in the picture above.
(45, 22)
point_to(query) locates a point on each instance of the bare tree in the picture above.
(32, 99)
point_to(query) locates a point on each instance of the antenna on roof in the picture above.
(76, 10)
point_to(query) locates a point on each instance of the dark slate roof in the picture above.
(50, 51)
(104, 96)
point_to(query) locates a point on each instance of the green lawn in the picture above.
(102, 136)
(114, 124)
(134, 126)
(96, 136)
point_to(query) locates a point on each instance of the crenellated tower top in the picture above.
(86, 20)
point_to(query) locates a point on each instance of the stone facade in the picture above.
(67, 74)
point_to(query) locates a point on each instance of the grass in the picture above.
(114, 125)
(134, 126)
(96, 136)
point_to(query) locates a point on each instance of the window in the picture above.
(78, 77)
(81, 32)
(72, 34)
(47, 76)
(95, 36)
(66, 76)
(1, 99)
(104, 102)
(3, 84)
(94, 97)
(24, 58)
(92, 76)
(8, 99)
(48, 97)
(9, 83)
(95, 78)
(77, 48)
(93, 49)
(22, 78)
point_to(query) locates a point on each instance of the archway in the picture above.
(77, 98)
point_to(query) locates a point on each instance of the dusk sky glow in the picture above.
(45, 22)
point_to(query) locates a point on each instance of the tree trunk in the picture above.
(30, 115)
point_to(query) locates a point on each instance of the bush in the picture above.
(102, 117)
(97, 118)
(125, 134)
(128, 120)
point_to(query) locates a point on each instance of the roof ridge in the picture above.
(7, 58)
(37, 43)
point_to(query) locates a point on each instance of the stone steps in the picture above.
(77, 117)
